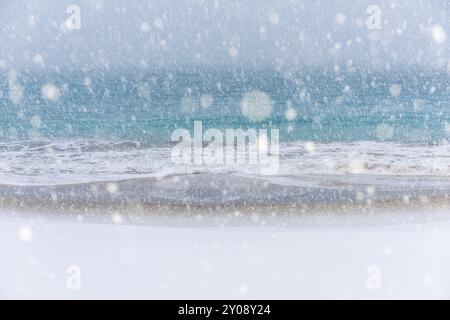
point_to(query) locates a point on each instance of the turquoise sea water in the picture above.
(407, 107)
(106, 126)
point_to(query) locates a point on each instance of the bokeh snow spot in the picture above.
(116, 218)
(340, 18)
(233, 52)
(395, 90)
(36, 122)
(15, 93)
(447, 127)
(243, 289)
(143, 90)
(438, 34)
(274, 18)
(38, 59)
(206, 101)
(256, 106)
(145, 26)
(112, 187)
(189, 104)
(158, 23)
(25, 234)
(385, 132)
(310, 147)
(50, 92)
(290, 113)
(356, 167)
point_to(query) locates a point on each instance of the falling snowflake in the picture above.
(256, 106)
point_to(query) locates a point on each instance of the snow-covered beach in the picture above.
(208, 236)
(378, 254)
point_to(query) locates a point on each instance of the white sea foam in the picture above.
(48, 163)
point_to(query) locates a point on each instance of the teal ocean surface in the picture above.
(408, 107)
(72, 127)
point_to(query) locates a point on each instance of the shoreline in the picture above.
(387, 214)
(234, 190)
(138, 201)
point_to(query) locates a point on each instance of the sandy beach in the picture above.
(311, 238)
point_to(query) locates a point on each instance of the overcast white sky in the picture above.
(288, 34)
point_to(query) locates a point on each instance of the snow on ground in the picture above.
(46, 258)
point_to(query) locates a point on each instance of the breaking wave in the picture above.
(82, 161)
